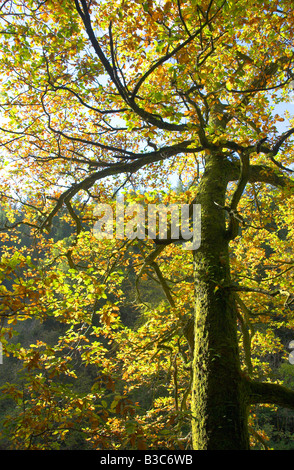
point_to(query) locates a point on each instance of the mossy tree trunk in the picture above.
(219, 404)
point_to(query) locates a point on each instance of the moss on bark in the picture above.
(219, 403)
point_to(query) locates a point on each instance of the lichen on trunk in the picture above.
(219, 404)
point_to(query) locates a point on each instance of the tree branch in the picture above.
(82, 10)
(246, 332)
(261, 174)
(243, 180)
(115, 169)
(275, 394)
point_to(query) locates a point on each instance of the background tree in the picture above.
(100, 96)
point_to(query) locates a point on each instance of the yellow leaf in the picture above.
(229, 84)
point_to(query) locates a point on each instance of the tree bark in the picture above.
(219, 399)
(264, 392)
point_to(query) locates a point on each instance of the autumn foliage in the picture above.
(145, 100)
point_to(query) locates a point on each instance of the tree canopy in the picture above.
(157, 102)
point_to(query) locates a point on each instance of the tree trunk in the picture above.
(219, 399)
